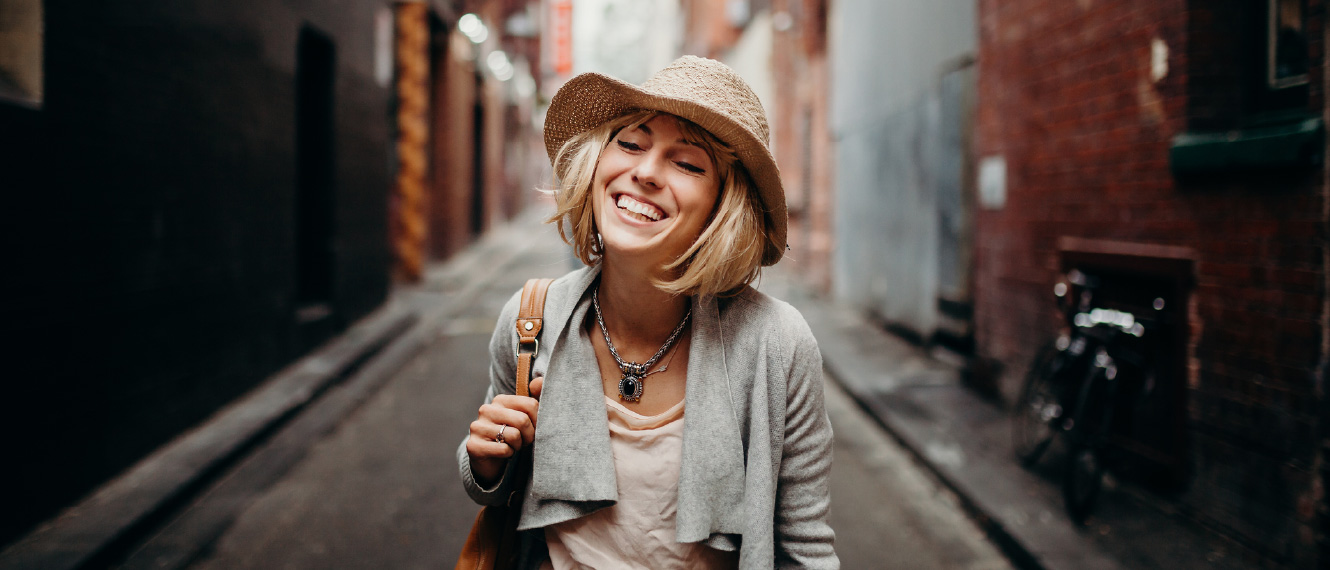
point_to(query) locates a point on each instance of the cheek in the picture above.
(706, 200)
(612, 163)
(596, 204)
(599, 187)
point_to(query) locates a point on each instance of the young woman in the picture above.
(676, 420)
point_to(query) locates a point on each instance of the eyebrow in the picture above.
(644, 127)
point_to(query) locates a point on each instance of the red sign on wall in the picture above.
(561, 35)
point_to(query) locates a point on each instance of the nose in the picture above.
(647, 172)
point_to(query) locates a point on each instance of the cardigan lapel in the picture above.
(571, 453)
(711, 472)
(573, 469)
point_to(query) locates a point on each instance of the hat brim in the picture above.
(590, 99)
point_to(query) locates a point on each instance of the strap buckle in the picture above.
(521, 344)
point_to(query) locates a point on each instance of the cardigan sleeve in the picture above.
(803, 494)
(502, 380)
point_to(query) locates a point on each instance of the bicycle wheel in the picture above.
(1093, 415)
(1084, 477)
(1039, 407)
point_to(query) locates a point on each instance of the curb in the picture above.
(1019, 555)
(100, 528)
(906, 391)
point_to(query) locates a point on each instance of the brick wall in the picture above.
(453, 146)
(800, 137)
(1067, 97)
(150, 228)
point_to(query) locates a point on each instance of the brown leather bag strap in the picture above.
(530, 318)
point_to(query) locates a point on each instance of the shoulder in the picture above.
(753, 308)
(774, 323)
(564, 290)
(567, 289)
(562, 295)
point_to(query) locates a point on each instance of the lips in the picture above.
(639, 210)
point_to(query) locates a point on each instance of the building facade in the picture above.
(202, 193)
(947, 163)
(780, 47)
(1175, 150)
(800, 135)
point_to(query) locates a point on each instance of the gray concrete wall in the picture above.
(892, 154)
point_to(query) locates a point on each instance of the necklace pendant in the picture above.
(630, 388)
(634, 374)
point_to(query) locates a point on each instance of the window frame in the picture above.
(1272, 48)
(23, 78)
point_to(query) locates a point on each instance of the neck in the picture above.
(638, 315)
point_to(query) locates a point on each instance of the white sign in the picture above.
(383, 46)
(993, 182)
(1158, 60)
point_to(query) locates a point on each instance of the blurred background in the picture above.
(205, 197)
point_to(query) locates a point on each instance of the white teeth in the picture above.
(626, 202)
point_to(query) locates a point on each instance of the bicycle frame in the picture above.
(1076, 392)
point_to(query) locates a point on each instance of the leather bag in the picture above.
(493, 542)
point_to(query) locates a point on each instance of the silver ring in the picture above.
(499, 436)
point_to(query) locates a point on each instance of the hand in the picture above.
(516, 417)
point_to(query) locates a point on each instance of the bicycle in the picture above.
(1074, 387)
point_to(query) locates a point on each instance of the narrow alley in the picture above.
(379, 488)
(1067, 265)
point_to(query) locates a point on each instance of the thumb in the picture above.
(535, 386)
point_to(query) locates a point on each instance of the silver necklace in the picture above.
(630, 385)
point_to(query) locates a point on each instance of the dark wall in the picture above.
(151, 227)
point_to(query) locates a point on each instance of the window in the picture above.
(1250, 68)
(1286, 41)
(21, 51)
(1282, 56)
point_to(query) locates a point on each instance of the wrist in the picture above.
(487, 472)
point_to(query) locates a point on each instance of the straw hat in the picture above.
(704, 91)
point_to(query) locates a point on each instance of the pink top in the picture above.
(638, 531)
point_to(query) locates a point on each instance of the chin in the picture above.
(638, 250)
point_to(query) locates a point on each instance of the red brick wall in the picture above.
(452, 147)
(1066, 97)
(707, 28)
(801, 139)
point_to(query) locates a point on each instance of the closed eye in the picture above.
(690, 167)
(623, 144)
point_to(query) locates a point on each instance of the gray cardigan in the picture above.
(753, 399)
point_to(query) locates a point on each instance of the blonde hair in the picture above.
(726, 256)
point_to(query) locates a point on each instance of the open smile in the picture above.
(639, 210)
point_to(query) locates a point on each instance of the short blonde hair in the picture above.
(726, 256)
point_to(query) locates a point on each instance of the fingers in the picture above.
(482, 443)
(487, 456)
(517, 411)
(536, 384)
(514, 417)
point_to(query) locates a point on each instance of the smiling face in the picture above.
(653, 192)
